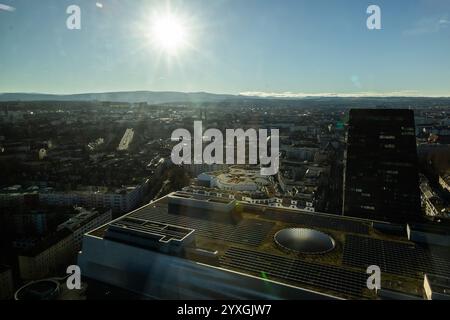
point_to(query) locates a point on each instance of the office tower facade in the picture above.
(381, 172)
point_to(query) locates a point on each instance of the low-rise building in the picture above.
(53, 254)
(444, 181)
(236, 179)
(48, 257)
(433, 204)
(120, 200)
(85, 221)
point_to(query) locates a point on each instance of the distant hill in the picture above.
(131, 97)
(153, 97)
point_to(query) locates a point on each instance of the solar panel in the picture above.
(327, 277)
(316, 221)
(251, 232)
(248, 232)
(394, 257)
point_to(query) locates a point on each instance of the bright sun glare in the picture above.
(168, 33)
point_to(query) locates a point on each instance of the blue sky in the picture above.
(265, 46)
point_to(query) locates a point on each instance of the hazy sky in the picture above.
(271, 46)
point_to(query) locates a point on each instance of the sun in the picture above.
(168, 32)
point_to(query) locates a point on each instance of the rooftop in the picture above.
(83, 217)
(248, 247)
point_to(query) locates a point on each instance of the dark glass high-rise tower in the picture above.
(381, 173)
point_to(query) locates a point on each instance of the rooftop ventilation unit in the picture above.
(207, 208)
(149, 234)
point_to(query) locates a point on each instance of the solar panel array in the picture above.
(323, 276)
(316, 221)
(248, 232)
(395, 257)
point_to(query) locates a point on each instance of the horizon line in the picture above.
(261, 94)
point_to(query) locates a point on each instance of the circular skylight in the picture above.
(307, 241)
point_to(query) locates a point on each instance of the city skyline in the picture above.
(255, 48)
